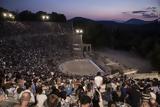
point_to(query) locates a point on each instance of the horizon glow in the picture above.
(93, 9)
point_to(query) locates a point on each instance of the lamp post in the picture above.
(4, 14)
(8, 15)
(45, 17)
(79, 32)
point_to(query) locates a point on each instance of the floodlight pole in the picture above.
(79, 32)
(81, 35)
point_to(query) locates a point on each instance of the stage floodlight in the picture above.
(13, 17)
(81, 31)
(77, 31)
(5, 14)
(10, 15)
(43, 17)
(47, 17)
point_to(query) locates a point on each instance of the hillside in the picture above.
(10, 28)
(110, 22)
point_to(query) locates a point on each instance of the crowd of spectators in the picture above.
(55, 89)
(29, 77)
(10, 29)
(31, 54)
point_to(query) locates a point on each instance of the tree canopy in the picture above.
(27, 15)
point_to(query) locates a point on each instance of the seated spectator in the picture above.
(135, 96)
(146, 95)
(85, 101)
(116, 94)
(96, 99)
(41, 98)
(24, 100)
(28, 89)
(112, 104)
(65, 100)
(52, 101)
(153, 102)
(89, 90)
(98, 80)
(2, 94)
(68, 89)
(155, 87)
(17, 92)
(2, 97)
(108, 94)
(55, 91)
(79, 91)
(145, 104)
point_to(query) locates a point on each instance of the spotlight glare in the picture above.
(43, 17)
(77, 31)
(81, 31)
(47, 17)
(10, 15)
(13, 17)
(4, 14)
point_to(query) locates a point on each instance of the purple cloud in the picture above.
(154, 10)
(125, 12)
(149, 15)
(149, 12)
(137, 12)
(151, 8)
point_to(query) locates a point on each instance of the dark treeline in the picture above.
(141, 39)
(27, 15)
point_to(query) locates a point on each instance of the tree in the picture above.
(39, 14)
(55, 17)
(155, 56)
(26, 16)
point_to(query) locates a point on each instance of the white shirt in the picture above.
(114, 86)
(41, 98)
(98, 81)
(66, 102)
(32, 100)
(103, 88)
(156, 89)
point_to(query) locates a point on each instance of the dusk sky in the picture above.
(93, 9)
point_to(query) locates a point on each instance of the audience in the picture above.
(30, 77)
(28, 89)
(85, 101)
(98, 80)
(24, 100)
(40, 97)
(52, 101)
